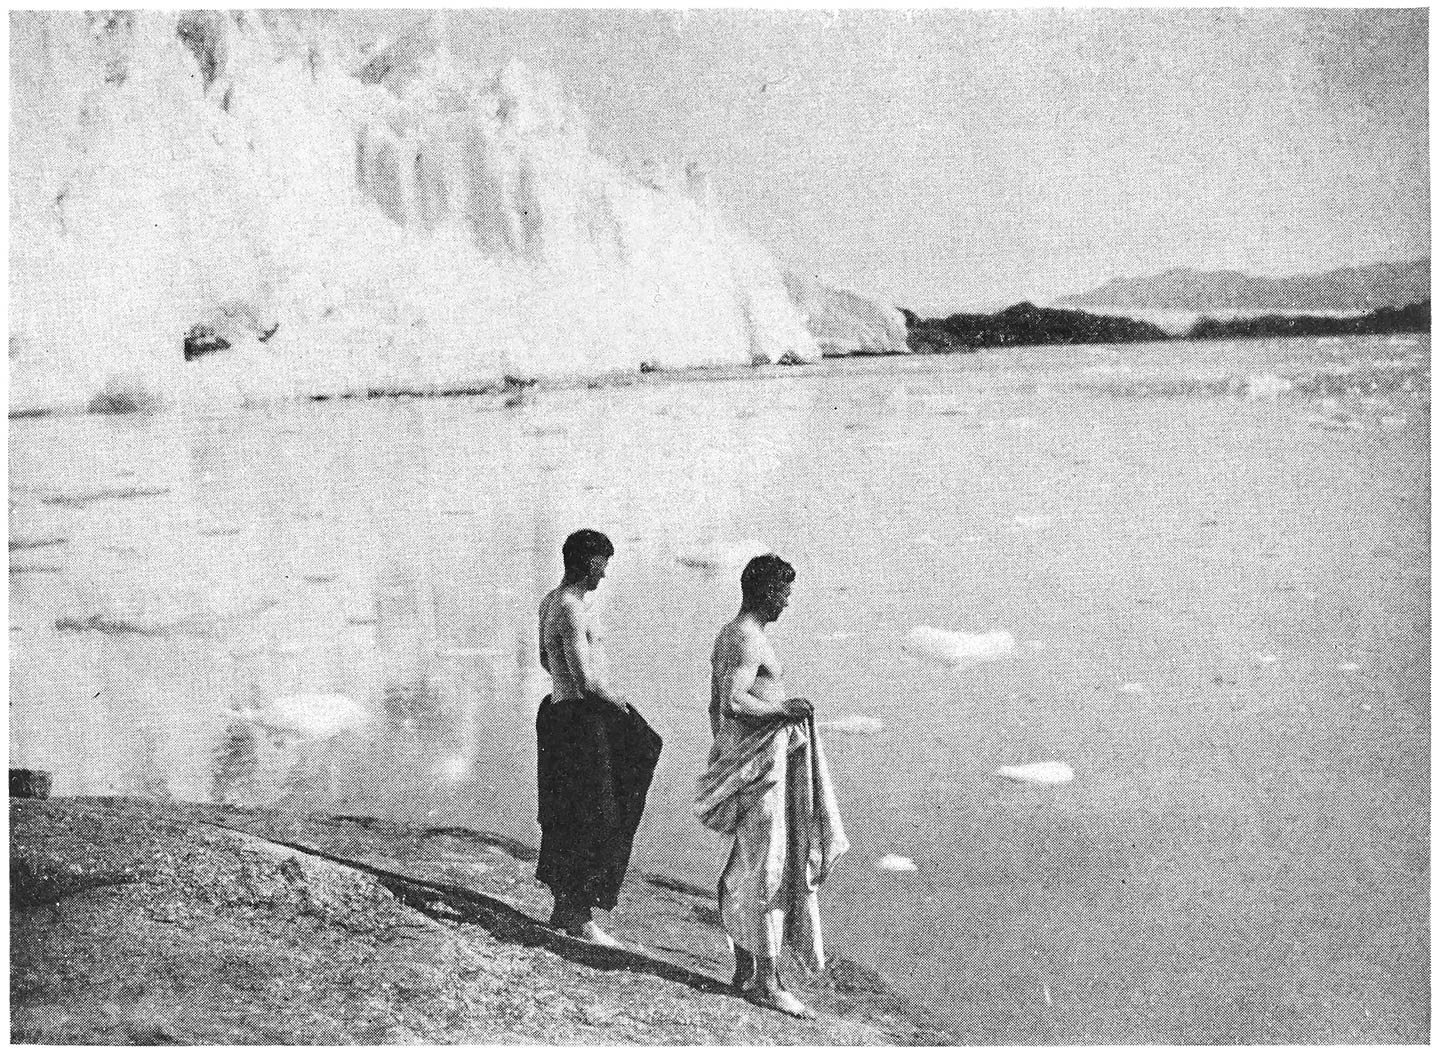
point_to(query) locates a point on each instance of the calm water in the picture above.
(1214, 560)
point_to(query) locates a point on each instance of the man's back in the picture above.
(568, 632)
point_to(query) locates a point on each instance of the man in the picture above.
(595, 757)
(768, 790)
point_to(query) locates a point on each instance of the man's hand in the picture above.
(798, 707)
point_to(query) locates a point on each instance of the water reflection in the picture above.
(388, 554)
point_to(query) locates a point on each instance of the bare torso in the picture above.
(743, 663)
(564, 613)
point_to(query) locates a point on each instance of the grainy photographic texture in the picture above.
(1077, 361)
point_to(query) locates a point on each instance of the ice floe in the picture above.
(77, 499)
(855, 725)
(314, 715)
(722, 556)
(892, 862)
(959, 649)
(1266, 386)
(36, 542)
(1043, 773)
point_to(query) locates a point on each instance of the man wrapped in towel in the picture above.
(595, 753)
(767, 788)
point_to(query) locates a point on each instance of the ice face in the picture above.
(411, 225)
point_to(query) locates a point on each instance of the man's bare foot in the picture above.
(779, 999)
(593, 934)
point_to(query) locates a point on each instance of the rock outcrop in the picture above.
(1413, 318)
(144, 922)
(1024, 324)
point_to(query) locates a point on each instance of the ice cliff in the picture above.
(409, 224)
(845, 323)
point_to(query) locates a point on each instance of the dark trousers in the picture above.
(594, 766)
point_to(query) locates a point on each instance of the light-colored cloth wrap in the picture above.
(768, 789)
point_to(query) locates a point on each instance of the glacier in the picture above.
(346, 221)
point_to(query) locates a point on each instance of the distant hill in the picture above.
(1184, 289)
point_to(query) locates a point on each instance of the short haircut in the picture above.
(763, 574)
(581, 546)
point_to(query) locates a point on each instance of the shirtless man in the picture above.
(595, 753)
(746, 686)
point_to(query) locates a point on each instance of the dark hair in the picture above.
(581, 546)
(761, 575)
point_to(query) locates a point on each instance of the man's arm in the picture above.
(577, 657)
(738, 679)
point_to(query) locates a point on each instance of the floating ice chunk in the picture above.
(841, 634)
(1265, 659)
(945, 403)
(76, 499)
(722, 557)
(452, 768)
(1337, 424)
(133, 620)
(959, 649)
(36, 541)
(312, 715)
(926, 539)
(1044, 773)
(1266, 386)
(855, 725)
(1035, 645)
(1038, 520)
(1349, 667)
(1133, 688)
(891, 862)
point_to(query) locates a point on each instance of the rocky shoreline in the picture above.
(146, 921)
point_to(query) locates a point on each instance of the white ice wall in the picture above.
(409, 224)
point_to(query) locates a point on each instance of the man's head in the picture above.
(765, 586)
(586, 553)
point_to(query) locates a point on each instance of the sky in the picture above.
(943, 159)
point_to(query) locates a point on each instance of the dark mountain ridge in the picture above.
(1023, 324)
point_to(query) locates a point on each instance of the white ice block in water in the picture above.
(959, 649)
(855, 725)
(1045, 773)
(723, 557)
(1266, 386)
(891, 862)
(313, 715)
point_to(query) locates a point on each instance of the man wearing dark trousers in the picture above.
(596, 754)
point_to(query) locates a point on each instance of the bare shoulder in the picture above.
(739, 644)
(560, 609)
